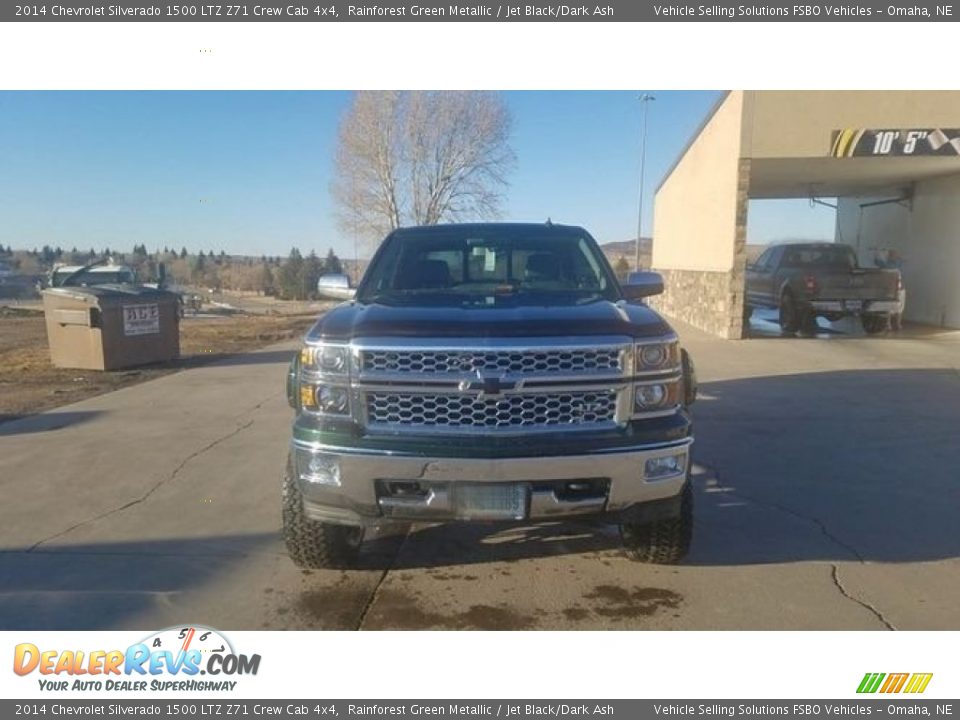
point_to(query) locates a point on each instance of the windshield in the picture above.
(499, 267)
(91, 277)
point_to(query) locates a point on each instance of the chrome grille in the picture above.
(530, 410)
(576, 360)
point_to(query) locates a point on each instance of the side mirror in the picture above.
(336, 286)
(642, 284)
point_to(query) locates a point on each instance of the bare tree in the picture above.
(421, 158)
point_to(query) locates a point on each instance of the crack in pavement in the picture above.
(824, 530)
(835, 576)
(160, 483)
(383, 576)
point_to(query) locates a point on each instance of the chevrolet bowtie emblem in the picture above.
(489, 385)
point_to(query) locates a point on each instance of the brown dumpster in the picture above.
(111, 327)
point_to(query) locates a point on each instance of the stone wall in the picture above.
(710, 301)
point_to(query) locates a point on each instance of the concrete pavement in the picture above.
(826, 483)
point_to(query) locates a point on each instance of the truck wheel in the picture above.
(662, 542)
(312, 544)
(896, 322)
(808, 323)
(873, 324)
(789, 317)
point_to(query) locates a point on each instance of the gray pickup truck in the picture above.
(804, 281)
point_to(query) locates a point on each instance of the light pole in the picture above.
(644, 99)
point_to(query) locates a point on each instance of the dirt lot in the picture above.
(29, 383)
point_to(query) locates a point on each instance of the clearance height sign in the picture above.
(892, 142)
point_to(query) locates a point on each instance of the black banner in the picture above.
(893, 142)
(213, 707)
(446, 11)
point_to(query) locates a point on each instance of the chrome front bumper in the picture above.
(359, 492)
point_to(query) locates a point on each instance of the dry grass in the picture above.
(29, 383)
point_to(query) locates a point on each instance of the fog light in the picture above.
(316, 468)
(661, 467)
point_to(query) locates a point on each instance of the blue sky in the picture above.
(249, 172)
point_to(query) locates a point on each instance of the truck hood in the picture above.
(357, 320)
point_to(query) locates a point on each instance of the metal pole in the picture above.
(645, 100)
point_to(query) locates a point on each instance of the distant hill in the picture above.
(626, 247)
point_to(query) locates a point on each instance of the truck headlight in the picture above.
(326, 399)
(324, 378)
(660, 356)
(651, 397)
(326, 359)
(333, 400)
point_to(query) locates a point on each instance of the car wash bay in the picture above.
(890, 159)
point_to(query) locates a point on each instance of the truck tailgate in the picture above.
(860, 284)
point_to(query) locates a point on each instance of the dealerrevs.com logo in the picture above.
(894, 682)
(172, 659)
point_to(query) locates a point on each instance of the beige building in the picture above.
(892, 158)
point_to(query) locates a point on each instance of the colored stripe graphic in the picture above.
(836, 144)
(918, 682)
(895, 682)
(844, 142)
(870, 682)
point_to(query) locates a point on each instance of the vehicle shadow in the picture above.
(832, 466)
(448, 544)
(44, 422)
(97, 585)
(266, 357)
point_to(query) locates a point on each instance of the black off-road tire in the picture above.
(313, 544)
(662, 542)
(808, 323)
(896, 322)
(874, 324)
(789, 315)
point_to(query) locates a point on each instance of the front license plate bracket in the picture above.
(490, 501)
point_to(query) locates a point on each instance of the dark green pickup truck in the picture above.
(490, 372)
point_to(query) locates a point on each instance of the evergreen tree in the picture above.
(290, 276)
(332, 263)
(310, 272)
